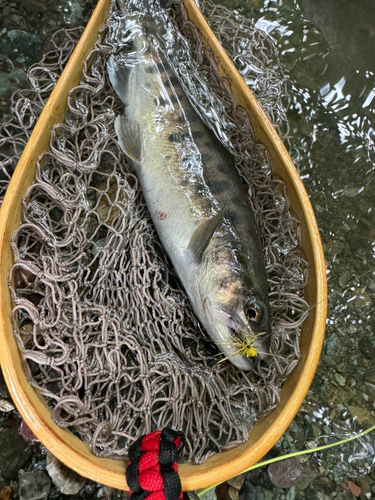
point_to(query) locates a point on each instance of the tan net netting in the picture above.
(107, 334)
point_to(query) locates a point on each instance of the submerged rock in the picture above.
(26, 433)
(14, 451)
(367, 348)
(6, 406)
(6, 79)
(354, 489)
(65, 479)
(237, 481)
(18, 42)
(4, 393)
(5, 493)
(285, 473)
(248, 491)
(34, 485)
(233, 493)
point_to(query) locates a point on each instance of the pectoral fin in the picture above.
(119, 77)
(129, 135)
(203, 234)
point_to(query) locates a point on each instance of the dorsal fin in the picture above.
(203, 234)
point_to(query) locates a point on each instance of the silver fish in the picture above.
(196, 199)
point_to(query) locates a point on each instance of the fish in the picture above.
(196, 198)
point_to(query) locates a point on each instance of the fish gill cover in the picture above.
(107, 334)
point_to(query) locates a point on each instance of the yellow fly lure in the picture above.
(246, 347)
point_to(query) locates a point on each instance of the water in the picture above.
(326, 53)
(323, 51)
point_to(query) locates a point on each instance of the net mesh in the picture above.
(107, 334)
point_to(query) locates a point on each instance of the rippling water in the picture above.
(326, 53)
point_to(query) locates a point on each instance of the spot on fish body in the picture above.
(234, 217)
(162, 215)
(198, 134)
(179, 137)
(206, 158)
(173, 79)
(222, 168)
(237, 201)
(220, 186)
(192, 116)
(199, 188)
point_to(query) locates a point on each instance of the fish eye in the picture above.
(254, 312)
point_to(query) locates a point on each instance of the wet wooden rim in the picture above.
(61, 442)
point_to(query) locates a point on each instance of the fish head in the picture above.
(238, 322)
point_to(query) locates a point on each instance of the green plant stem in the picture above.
(296, 454)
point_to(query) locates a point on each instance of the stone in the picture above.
(308, 476)
(331, 345)
(4, 83)
(367, 348)
(221, 491)
(209, 495)
(365, 484)
(362, 299)
(6, 406)
(335, 247)
(89, 487)
(14, 451)
(265, 495)
(4, 393)
(340, 379)
(34, 485)
(354, 489)
(26, 433)
(105, 492)
(364, 417)
(291, 494)
(248, 491)
(5, 493)
(285, 473)
(34, 6)
(237, 481)
(322, 496)
(6, 79)
(66, 480)
(17, 42)
(233, 493)
(352, 329)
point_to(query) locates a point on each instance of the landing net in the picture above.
(107, 334)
